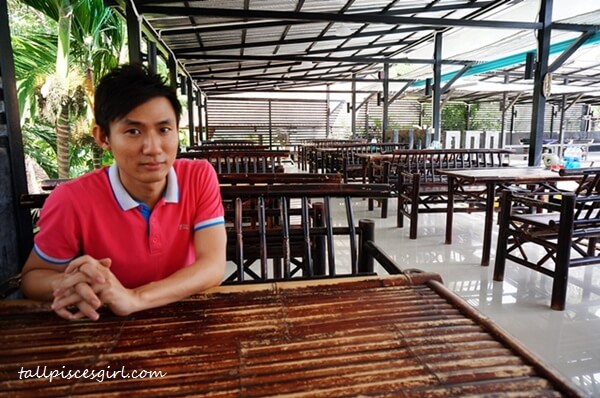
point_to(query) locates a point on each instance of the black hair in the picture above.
(127, 87)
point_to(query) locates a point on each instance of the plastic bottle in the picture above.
(576, 158)
(566, 160)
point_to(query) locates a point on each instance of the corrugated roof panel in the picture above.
(288, 28)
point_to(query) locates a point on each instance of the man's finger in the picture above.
(106, 262)
(68, 282)
(61, 302)
(88, 311)
(87, 294)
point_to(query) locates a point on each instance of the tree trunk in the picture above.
(63, 136)
(62, 72)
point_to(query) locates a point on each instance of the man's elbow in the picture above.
(219, 273)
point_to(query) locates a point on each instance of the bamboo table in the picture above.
(494, 180)
(405, 336)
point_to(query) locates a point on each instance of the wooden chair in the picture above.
(565, 224)
(289, 232)
(421, 189)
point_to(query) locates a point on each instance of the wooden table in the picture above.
(404, 336)
(494, 180)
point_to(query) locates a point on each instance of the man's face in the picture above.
(144, 143)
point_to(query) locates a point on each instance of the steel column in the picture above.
(353, 105)
(134, 33)
(436, 98)
(386, 101)
(541, 74)
(190, 105)
(16, 230)
(200, 124)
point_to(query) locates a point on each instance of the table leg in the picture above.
(489, 222)
(449, 210)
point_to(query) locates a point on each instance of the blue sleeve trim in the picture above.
(209, 223)
(51, 260)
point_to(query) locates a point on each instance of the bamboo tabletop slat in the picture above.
(402, 336)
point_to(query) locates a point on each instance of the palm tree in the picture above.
(89, 40)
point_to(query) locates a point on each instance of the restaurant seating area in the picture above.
(298, 225)
(397, 223)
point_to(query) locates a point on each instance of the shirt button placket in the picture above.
(155, 242)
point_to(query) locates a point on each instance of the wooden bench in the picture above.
(419, 188)
(282, 231)
(242, 161)
(565, 224)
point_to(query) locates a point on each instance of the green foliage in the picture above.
(34, 60)
(454, 116)
(97, 38)
(472, 116)
(39, 142)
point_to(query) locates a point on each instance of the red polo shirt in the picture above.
(95, 215)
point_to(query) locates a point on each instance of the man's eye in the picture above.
(165, 129)
(133, 132)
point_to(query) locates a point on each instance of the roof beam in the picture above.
(299, 79)
(575, 27)
(241, 69)
(299, 57)
(570, 51)
(371, 18)
(401, 91)
(458, 74)
(307, 40)
(225, 27)
(301, 71)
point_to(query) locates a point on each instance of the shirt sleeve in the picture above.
(57, 240)
(210, 206)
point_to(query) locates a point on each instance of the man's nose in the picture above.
(152, 143)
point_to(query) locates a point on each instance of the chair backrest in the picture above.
(426, 161)
(452, 139)
(472, 139)
(589, 184)
(491, 139)
(278, 178)
(242, 161)
(280, 231)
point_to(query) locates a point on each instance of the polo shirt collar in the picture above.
(125, 200)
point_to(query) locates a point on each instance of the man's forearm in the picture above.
(39, 284)
(182, 284)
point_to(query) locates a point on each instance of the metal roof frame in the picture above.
(274, 45)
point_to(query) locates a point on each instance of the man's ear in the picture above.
(101, 138)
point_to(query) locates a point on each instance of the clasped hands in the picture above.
(87, 284)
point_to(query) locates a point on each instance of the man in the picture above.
(142, 233)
